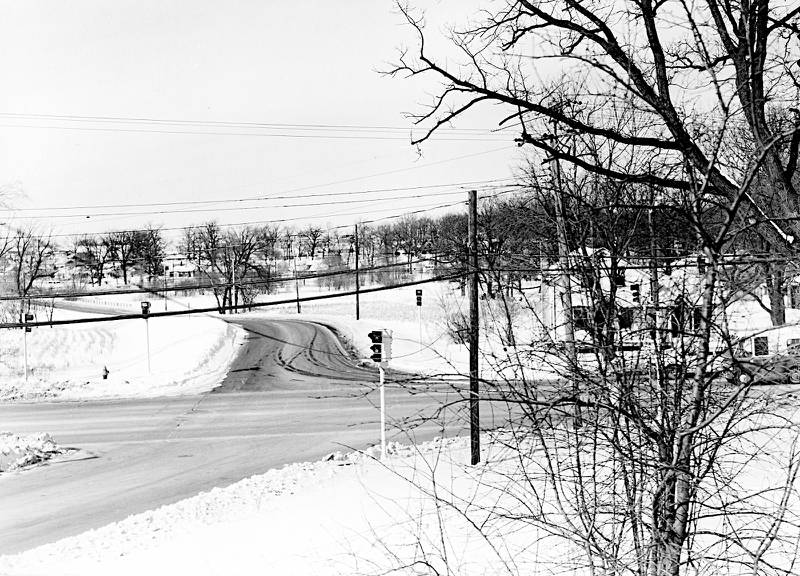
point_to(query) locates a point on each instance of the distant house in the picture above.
(594, 276)
(179, 266)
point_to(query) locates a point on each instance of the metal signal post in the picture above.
(146, 315)
(419, 316)
(28, 318)
(383, 413)
(381, 349)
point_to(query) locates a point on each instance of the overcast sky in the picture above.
(310, 63)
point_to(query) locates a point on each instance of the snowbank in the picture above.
(22, 451)
(306, 518)
(422, 508)
(187, 355)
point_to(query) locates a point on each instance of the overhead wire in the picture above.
(210, 285)
(206, 310)
(422, 209)
(283, 196)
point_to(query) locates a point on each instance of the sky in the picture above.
(158, 103)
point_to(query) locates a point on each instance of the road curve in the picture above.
(291, 355)
(293, 394)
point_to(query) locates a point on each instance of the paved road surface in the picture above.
(292, 395)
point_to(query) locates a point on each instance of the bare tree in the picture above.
(31, 259)
(312, 235)
(93, 254)
(126, 248)
(153, 250)
(633, 66)
(637, 456)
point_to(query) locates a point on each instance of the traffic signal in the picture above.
(419, 297)
(28, 318)
(636, 294)
(376, 336)
(701, 264)
(145, 309)
(387, 345)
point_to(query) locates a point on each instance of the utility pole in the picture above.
(296, 284)
(568, 324)
(654, 299)
(233, 281)
(474, 413)
(358, 311)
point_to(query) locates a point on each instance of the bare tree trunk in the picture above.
(775, 279)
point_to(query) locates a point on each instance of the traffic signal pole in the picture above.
(26, 317)
(419, 316)
(383, 414)
(381, 349)
(25, 349)
(147, 339)
(145, 315)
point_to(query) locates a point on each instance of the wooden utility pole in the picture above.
(474, 413)
(565, 288)
(296, 282)
(358, 311)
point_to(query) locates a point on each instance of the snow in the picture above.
(329, 517)
(351, 513)
(21, 451)
(188, 354)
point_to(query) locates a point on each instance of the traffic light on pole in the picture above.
(387, 345)
(636, 293)
(376, 337)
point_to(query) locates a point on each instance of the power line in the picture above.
(239, 208)
(215, 123)
(236, 307)
(260, 207)
(292, 219)
(479, 183)
(211, 285)
(322, 136)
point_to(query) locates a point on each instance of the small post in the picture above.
(383, 414)
(27, 317)
(145, 315)
(419, 316)
(147, 339)
(25, 348)
(474, 407)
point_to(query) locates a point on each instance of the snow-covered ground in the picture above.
(348, 514)
(187, 354)
(422, 510)
(424, 338)
(21, 451)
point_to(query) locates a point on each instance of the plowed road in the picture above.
(292, 395)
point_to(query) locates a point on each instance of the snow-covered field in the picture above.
(187, 355)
